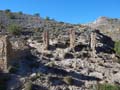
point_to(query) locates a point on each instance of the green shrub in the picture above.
(7, 11)
(1, 26)
(117, 47)
(14, 29)
(37, 14)
(37, 29)
(47, 18)
(68, 80)
(10, 15)
(20, 13)
(106, 87)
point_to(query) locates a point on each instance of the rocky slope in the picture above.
(30, 22)
(106, 24)
(61, 67)
(109, 26)
(64, 68)
(33, 23)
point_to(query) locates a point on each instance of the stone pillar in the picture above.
(93, 44)
(46, 39)
(5, 53)
(72, 38)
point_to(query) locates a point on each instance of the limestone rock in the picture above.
(116, 78)
(97, 75)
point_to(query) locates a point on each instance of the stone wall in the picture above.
(5, 53)
(93, 44)
(20, 50)
(46, 39)
(72, 38)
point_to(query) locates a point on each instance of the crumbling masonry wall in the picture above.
(46, 39)
(5, 53)
(72, 38)
(93, 44)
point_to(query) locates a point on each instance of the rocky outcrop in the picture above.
(109, 26)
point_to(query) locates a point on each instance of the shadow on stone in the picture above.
(56, 81)
(79, 48)
(83, 77)
(68, 56)
(56, 71)
(108, 44)
(37, 87)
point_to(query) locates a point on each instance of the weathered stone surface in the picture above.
(46, 39)
(116, 78)
(5, 53)
(60, 59)
(97, 75)
(72, 38)
(93, 43)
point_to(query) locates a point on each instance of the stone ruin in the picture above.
(93, 43)
(5, 53)
(46, 39)
(72, 38)
(10, 52)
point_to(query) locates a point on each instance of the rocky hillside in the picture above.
(109, 26)
(33, 23)
(52, 55)
(30, 22)
(106, 24)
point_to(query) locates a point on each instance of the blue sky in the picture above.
(72, 11)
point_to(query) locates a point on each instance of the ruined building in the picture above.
(93, 43)
(5, 53)
(46, 39)
(72, 38)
